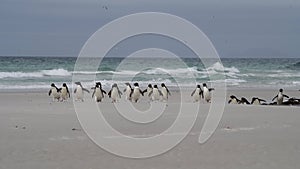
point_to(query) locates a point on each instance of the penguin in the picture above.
(244, 101)
(233, 100)
(155, 93)
(127, 91)
(65, 94)
(292, 101)
(79, 91)
(258, 101)
(55, 92)
(280, 96)
(148, 90)
(197, 93)
(206, 92)
(98, 92)
(114, 93)
(136, 93)
(165, 92)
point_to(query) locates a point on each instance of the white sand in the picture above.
(37, 133)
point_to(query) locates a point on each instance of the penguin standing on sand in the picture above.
(79, 91)
(197, 93)
(136, 93)
(127, 91)
(65, 94)
(148, 90)
(165, 92)
(114, 93)
(280, 96)
(155, 93)
(233, 100)
(257, 101)
(55, 92)
(98, 92)
(207, 93)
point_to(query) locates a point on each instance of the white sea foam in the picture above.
(42, 73)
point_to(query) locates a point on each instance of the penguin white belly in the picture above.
(155, 95)
(114, 94)
(127, 92)
(234, 101)
(196, 95)
(135, 95)
(279, 98)
(256, 102)
(79, 93)
(55, 94)
(207, 95)
(64, 94)
(98, 94)
(164, 93)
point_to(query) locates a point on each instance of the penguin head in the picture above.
(115, 85)
(78, 83)
(149, 85)
(163, 85)
(198, 86)
(127, 84)
(232, 97)
(64, 85)
(155, 86)
(136, 85)
(204, 85)
(280, 90)
(52, 85)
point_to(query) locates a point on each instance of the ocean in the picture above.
(29, 73)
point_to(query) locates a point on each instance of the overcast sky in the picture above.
(237, 28)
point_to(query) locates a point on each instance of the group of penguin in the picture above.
(258, 101)
(131, 93)
(154, 94)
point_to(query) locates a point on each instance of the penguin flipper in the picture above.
(168, 91)
(193, 92)
(274, 97)
(252, 101)
(50, 91)
(103, 91)
(210, 89)
(142, 92)
(160, 93)
(150, 93)
(109, 94)
(286, 96)
(84, 89)
(262, 100)
(75, 90)
(145, 91)
(229, 101)
(201, 94)
(68, 91)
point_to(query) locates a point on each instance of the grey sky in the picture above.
(237, 28)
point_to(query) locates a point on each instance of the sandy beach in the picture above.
(39, 133)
